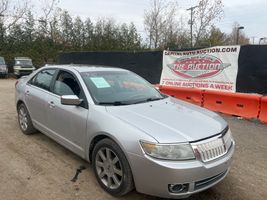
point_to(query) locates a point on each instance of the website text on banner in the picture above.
(211, 68)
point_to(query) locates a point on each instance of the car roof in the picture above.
(86, 68)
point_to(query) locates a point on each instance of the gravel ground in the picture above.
(35, 167)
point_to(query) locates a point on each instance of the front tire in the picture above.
(25, 122)
(111, 168)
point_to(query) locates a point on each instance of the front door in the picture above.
(67, 122)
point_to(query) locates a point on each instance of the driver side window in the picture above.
(66, 84)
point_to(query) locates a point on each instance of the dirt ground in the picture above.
(35, 167)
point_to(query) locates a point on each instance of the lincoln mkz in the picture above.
(134, 136)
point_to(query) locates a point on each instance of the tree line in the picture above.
(55, 30)
(165, 29)
(42, 40)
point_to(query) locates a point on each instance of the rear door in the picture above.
(36, 93)
(66, 122)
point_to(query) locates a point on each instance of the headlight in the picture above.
(228, 139)
(168, 151)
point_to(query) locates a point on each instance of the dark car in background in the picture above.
(23, 66)
(3, 68)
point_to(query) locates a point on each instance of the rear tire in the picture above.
(111, 168)
(24, 119)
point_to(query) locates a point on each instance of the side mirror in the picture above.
(70, 100)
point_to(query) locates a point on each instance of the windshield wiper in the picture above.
(121, 103)
(150, 99)
(115, 103)
(154, 99)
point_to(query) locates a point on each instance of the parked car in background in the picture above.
(23, 66)
(134, 136)
(3, 68)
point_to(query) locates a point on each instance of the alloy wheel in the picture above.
(23, 120)
(109, 168)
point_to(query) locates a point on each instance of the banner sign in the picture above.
(213, 68)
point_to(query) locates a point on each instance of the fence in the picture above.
(239, 104)
(252, 65)
(146, 64)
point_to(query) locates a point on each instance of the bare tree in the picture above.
(231, 38)
(3, 7)
(204, 17)
(182, 37)
(48, 19)
(11, 11)
(159, 21)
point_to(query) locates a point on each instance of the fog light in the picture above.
(178, 188)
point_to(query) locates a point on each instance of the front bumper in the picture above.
(153, 176)
(3, 72)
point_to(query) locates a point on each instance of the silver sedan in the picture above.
(134, 136)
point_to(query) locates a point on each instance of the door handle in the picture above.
(27, 93)
(51, 104)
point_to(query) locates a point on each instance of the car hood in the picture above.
(170, 120)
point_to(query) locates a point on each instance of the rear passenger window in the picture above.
(43, 79)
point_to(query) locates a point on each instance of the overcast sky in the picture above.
(252, 14)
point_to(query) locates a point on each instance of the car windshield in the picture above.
(119, 88)
(2, 61)
(23, 62)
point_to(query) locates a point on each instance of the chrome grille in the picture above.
(212, 148)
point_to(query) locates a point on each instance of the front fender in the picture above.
(126, 136)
